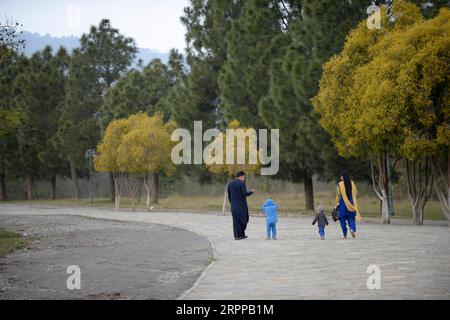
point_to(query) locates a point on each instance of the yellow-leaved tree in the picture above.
(106, 158)
(137, 147)
(145, 151)
(388, 92)
(233, 151)
(407, 84)
(359, 126)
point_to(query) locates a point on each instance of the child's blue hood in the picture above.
(269, 203)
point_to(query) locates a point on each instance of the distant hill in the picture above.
(35, 42)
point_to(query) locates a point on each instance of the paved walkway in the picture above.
(414, 261)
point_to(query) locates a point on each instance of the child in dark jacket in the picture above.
(321, 220)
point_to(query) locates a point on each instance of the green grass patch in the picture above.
(10, 241)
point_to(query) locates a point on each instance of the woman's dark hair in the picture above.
(347, 183)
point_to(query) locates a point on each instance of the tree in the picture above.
(139, 145)
(109, 54)
(78, 129)
(106, 158)
(422, 55)
(197, 96)
(366, 84)
(409, 74)
(243, 77)
(226, 146)
(146, 149)
(11, 65)
(38, 93)
(138, 91)
(314, 34)
(177, 79)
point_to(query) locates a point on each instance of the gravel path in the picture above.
(414, 261)
(117, 260)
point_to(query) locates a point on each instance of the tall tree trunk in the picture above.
(118, 181)
(29, 187)
(420, 185)
(309, 192)
(155, 188)
(75, 186)
(149, 184)
(53, 187)
(112, 186)
(139, 193)
(3, 195)
(381, 191)
(133, 188)
(441, 185)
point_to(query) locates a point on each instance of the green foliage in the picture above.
(197, 96)
(138, 90)
(11, 64)
(104, 56)
(243, 79)
(108, 52)
(78, 129)
(313, 36)
(38, 94)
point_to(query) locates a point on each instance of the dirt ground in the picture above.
(117, 260)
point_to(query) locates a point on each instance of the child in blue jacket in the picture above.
(270, 209)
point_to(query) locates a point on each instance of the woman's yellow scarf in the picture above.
(351, 207)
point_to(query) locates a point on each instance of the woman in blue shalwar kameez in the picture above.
(347, 205)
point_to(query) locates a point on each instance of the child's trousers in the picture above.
(271, 228)
(322, 232)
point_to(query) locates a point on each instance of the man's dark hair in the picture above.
(240, 174)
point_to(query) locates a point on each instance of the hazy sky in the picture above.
(153, 24)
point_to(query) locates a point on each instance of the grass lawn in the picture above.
(291, 204)
(10, 241)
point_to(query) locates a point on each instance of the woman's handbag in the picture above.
(335, 215)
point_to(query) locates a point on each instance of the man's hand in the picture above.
(253, 190)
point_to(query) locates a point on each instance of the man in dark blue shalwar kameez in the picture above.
(237, 194)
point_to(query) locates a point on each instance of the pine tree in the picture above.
(207, 24)
(105, 55)
(78, 129)
(195, 96)
(38, 91)
(243, 78)
(316, 31)
(11, 65)
(138, 91)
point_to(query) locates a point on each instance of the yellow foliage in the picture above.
(228, 148)
(106, 158)
(381, 90)
(138, 144)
